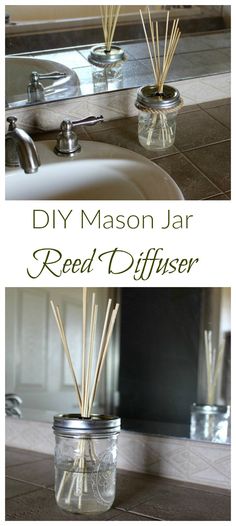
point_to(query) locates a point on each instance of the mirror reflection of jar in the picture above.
(107, 67)
(210, 422)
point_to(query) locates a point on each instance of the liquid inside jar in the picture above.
(156, 131)
(85, 489)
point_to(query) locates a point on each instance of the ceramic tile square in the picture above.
(193, 184)
(70, 58)
(15, 456)
(221, 114)
(188, 505)
(42, 473)
(14, 488)
(198, 91)
(198, 129)
(209, 463)
(221, 82)
(214, 162)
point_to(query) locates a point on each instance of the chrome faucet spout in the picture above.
(20, 149)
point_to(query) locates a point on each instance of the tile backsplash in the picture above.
(180, 459)
(114, 105)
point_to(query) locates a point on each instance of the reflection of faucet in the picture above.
(67, 140)
(20, 148)
(35, 89)
(12, 403)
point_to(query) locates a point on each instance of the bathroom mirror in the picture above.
(156, 366)
(36, 41)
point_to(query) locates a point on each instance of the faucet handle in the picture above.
(67, 140)
(35, 76)
(89, 121)
(12, 122)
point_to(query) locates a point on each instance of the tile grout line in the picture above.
(131, 512)
(203, 174)
(217, 120)
(206, 145)
(36, 484)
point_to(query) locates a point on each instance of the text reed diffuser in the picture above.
(159, 104)
(107, 58)
(86, 444)
(211, 421)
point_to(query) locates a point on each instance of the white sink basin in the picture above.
(18, 70)
(99, 171)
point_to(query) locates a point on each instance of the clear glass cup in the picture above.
(85, 462)
(157, 117)
(210, 422)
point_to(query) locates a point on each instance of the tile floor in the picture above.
(30, 495)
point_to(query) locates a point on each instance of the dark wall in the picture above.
(160, 331)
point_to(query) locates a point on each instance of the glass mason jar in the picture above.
(157, 116)
(85, 462)
(107, 67)
(210, 422)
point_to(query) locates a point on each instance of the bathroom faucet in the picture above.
(35, 89)
(20, 148)
(67, 140)
(12, 405)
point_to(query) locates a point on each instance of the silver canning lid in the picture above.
(74, 424)
(148, 96)
(99, 54)
(207, 408)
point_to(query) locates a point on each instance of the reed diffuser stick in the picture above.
(58, 319)
(160, 67)
(93, 390)
(214, 363)
(77, 475)
(90, 357)
(104, 351)
(84, 324)
(109, 15)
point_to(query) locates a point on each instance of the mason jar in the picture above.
(107, 66)
(85, 462)
(157, 116)
(210, 422)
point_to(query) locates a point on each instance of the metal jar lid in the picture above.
(149, 97)
(74, 425)
(207, 408)
(99, 55)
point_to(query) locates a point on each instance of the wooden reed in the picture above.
(109, 14)
(214, 363)
(160, 66)
(89, 381)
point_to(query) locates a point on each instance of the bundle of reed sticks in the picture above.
(76, 480)
(89, 383)
(161, 65)
(109, 14)
(214, 362)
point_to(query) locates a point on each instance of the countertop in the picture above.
(30, 495)
(199, 162)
